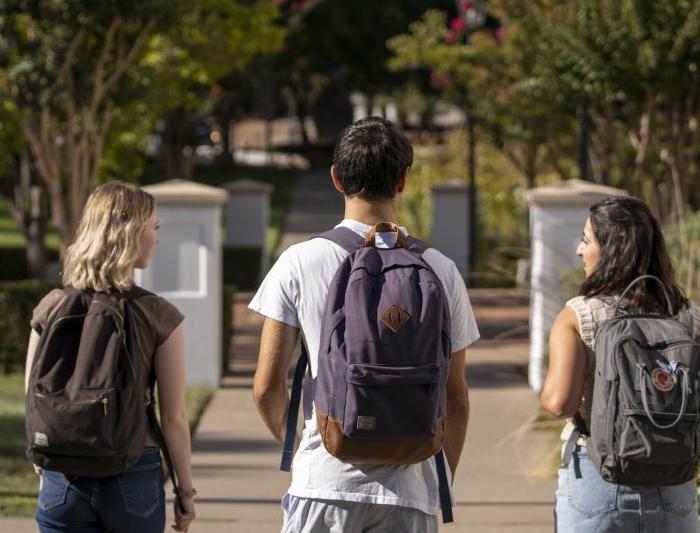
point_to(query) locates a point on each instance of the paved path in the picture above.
(236, 462)
(314, 206)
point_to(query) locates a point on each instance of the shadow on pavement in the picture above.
(237, 445)
(496, 375)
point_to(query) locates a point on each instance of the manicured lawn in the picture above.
(18, 483)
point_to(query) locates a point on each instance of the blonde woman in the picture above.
(118, 232)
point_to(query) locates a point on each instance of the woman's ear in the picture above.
(336, 180)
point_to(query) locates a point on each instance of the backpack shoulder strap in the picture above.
(343, 237)
(351, 241)
(414, 245)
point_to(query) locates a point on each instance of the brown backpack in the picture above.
(90, 400)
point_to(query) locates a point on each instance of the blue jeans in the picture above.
(586, 503)
(131, 501)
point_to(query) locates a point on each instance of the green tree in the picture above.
(339, 45)
(211, 39)
(61, 64)
(495, 77)
(84, 83)
(635, 64)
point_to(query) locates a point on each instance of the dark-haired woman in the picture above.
(621, 241)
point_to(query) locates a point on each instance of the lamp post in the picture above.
(584, 122)
(474, 15)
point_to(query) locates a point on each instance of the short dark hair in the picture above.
(370, 157)
(631, 245)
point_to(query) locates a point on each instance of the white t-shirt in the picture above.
(294, 292)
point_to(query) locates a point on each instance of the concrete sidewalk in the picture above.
(235, 460)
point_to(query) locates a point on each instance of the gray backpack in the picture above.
(380, 394)
(644, 420)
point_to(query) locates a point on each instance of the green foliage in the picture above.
(211, 38)
(352, 37)
(242, 266)
(633, 66)
(502, 233)
(227, 300)
(17, 301)
(683, 241)
(13, 263)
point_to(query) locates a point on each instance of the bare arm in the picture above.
(170, 376)
(270, 384)
(457, 410)
(563, 386)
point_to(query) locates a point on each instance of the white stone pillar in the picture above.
(186, 270)
(359, 106)
(557, 216)
(247, 216)
(450, 222)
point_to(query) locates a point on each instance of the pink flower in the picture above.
(499, 34)
(457, 24)
(440, 80)
(464, 5)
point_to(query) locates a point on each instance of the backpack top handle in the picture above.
(386, 227)
(669, 307)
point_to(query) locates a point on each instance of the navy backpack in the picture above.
(383, 360)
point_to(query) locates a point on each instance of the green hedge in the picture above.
(13, 262)
(683, 241)
(17, 301)
(226, 330)
(242, 267)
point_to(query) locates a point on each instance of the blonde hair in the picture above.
(107, 242)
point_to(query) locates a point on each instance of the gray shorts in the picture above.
(304, 515)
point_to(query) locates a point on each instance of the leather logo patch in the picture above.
(41, 439)
(395, 318)
(663, 380)
(366, 423)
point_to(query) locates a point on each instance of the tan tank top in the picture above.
(591, 313)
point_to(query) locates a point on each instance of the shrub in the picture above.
(17, 301)
(683, 240)
(13, 262)
(229, 293)
(242, 267)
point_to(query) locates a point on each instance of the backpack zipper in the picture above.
(67, 317)
(104, 401)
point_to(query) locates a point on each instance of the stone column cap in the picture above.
(248, 186)
(450, 186)
(572, 192)
(186, 193)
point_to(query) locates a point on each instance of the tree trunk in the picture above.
(36, 234)
(27, 207)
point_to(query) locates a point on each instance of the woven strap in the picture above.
(293, 414)
(444, 488)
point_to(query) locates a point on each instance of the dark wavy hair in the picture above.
(370, 157)
(631, 245)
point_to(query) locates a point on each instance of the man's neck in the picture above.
(371, 213)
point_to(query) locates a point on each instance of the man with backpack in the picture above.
(385, 324)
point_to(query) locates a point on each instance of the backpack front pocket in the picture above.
(391, 401)
(75, 426)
